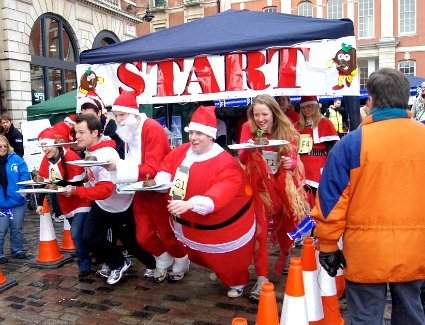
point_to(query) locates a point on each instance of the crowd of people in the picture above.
(220, 210)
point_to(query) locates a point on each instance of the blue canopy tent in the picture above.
(228, 31)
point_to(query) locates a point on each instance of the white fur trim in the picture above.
(208, 130)
(202, 204)
(124, 109)
(127, 171)
(162, 178)
(46, 142)
(309, 103)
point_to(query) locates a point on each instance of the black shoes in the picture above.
(20, 256)
(3, 260)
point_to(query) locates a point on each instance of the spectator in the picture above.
(12, 205)
(318, 136)
(221, 133)
(54, 166)
(418, 107)
(147, 145)
(271, 170)
(109, 209)
(211, 203)
(338, 116)
(90, 105)
(65, 128)
(289, 110)
(370, 193)
(365, 110)
(13, 135)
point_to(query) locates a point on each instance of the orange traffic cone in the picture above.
(49, 256)
(330, 304)
(311, 285)
(67, 243)
(294, 308)
(239, 321)
(267, 307)
(6, 284)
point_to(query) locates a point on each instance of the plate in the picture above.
(41, 190)
(58, 144)
(87, 163)
(246, 145)
(32, 182)
(139, 187)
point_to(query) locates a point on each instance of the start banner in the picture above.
(324, 67)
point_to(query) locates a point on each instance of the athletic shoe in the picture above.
(256, 290)
(159, 275)
(149, 274)
(104, 271)
(235, 292)
(117, 273)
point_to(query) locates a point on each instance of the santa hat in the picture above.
(71, 119)
(308, 100)
(49, 136)
(126, 103)
(91, 102)
(204, 120)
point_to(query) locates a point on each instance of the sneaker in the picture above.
(180, 268)
(117, 273)
(20, 256)
(149, 274)
(235, 292)
(159, 275)
(84, 274)
(256, 290)
(104, 271)
(58, 219)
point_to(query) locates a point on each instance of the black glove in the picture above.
(331, 262)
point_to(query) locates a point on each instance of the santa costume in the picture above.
(145, 147)
(219, 231)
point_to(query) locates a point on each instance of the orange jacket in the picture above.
(371, 193)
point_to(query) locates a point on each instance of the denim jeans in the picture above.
(83, 255)
(15, 225)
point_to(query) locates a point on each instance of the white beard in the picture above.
(126, 129)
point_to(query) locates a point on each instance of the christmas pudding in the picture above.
(260, 139)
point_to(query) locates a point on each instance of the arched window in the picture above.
(53, 58)
(305, 8)
(105, 38)
(335, 9)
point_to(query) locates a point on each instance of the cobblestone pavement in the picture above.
(56, 296)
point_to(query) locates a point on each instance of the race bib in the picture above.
(271, 159)
(178, 190)
(306, 143)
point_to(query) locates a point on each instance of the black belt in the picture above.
(317, 153)
(220, 225)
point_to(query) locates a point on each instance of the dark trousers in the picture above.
(366, 303)
(97, 230)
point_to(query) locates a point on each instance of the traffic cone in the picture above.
(49, 256)
(239, 321)
(294, 307)
(67, 243)
(332, 315)
(267, 307)
(6, 284)
(311, 285)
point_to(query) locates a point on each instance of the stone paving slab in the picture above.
(57, 296)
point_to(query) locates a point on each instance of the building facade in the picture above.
(41, 41)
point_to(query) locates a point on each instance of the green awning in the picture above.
(55, 109)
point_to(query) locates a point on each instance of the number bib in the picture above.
(306, 143)
(178, 190)
(271, 159)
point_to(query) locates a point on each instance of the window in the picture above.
(407, 16)
(159, 3)
(105, 38)
(53, 58)
(363, 76)
(335, 9)
(366, 18)
(270, 9)
(408, 67)
(305, 8)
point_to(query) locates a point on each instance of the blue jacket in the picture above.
(17, 171)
